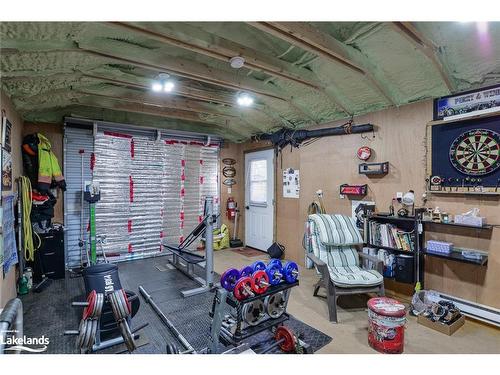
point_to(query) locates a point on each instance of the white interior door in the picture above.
(259, 199)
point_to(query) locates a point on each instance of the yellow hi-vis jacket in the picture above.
(48, 166)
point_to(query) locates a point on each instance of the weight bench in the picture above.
(190, 259)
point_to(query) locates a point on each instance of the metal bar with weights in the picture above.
(167, 322)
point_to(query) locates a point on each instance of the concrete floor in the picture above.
(350, 334)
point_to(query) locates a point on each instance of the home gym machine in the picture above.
(109, 308)
(185, 260)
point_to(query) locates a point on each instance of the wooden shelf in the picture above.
(485, 227)
(457, 256)
(487, 193)
(428, 222)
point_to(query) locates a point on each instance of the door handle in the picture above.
(247, 207)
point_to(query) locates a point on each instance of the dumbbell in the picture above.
(246, 271)
(260, 281)
(229, 279)
(290, 272)
(274, 261)
(274, 272)
(258, 265)
(244, 288)
(285, 339)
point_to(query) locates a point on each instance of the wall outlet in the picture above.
(342, 196)
(399, 195)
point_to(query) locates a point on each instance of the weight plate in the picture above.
(260, 281)
(93, 334)
(275, 304)
(258, 265)
(128, 338)
(290, 272)
(114, 306)
(246, 271)
(274, 261)
(99, 304)
(81, 333)
(123, 303)
(288, 345)
(127, 302)
(228, 161)
(275, 273)
(91, 300)
(253, 312)
(243, 288)
(229, 278)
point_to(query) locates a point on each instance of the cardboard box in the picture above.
(443, 328)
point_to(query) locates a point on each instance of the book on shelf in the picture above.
(389, 235)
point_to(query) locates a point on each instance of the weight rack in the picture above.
(225, 302)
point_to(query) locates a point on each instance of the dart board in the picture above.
(476, 152)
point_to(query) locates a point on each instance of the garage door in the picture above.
(152, 189)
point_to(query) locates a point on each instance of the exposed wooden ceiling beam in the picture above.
(183, 68)
(120, 104)
(225, 50)
(185, 106)
(56, 114)
(195, 40)
(427, 47)
(177, 109)
(263, 117)
(311, 39)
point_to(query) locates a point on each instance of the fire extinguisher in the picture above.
(231, 208)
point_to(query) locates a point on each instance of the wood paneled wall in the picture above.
(399, 139)
(8, 281)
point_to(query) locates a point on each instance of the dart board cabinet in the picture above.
(463, 156)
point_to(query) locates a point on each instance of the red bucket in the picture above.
(386, 325)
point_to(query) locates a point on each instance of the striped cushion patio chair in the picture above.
(331, 242)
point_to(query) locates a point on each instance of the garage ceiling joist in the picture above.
(224, 50)
(428, 49)
(188, 69)
(310, 39)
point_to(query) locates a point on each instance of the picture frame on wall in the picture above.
(467, 104)
(6, 133)
(6, 170)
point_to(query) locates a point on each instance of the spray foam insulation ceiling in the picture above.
(300, 74)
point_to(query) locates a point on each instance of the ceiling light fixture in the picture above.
(168, 86)
(156, 86)
(237, 62)
(244, 100)
(163, 83)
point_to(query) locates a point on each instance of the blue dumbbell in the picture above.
(275, 273)
(258, 265)
(274, 261)
(246, 271)
(290, 272)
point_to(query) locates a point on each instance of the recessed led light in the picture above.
(244, 100)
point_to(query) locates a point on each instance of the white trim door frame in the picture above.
(259, 199)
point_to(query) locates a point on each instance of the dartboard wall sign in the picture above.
(476, 152)
(464, 156)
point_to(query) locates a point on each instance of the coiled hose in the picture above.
(28, 244)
